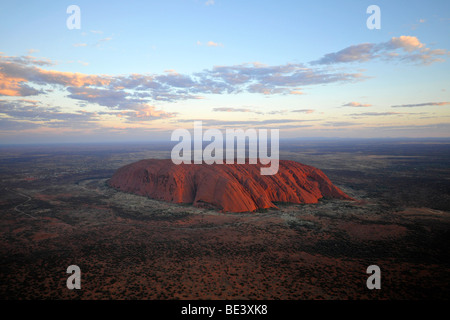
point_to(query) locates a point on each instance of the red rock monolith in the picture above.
(227, 187)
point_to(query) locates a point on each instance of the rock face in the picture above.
(228, 187)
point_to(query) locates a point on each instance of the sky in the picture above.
(138, 70)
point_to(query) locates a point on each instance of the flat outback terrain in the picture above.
(57, 210)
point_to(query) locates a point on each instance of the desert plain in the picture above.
(57, 210)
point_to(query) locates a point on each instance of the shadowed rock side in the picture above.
(229, 187)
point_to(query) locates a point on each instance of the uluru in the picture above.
(226, 187)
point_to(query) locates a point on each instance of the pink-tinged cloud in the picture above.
(407, 43)
(12, 86)
(403, 48)
(22, 111)
(356, 104)
(14, 78)
(145, 113)
(232, 110)
(214, 44)
(23, 76)
(73, 79)
(27, 60)
(228, 109)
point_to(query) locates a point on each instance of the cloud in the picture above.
(13, 86)
(99, 42)
(30, 114)
(403, 48)
(282, 79)
(210, 44)
(21, 73)
(176, 80)
(214, 44)
(340, 124)
(136, 108)
(80, 44)
(278, 112)
(143, 112)
(376, 114)
(209, 2)
(406, 43)
(232, 110)
(228, 109)
(17, 74)
(24, 76)
(444, 126)
(361, 52)
(422, 104)
(356, 104)
(240, 123)
(14, 125)
(304, 111)
(113, 99)
(264, 89)
(26, 60)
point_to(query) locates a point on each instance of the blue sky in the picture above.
(137, 70)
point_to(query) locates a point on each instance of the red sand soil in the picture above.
(372, 231)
